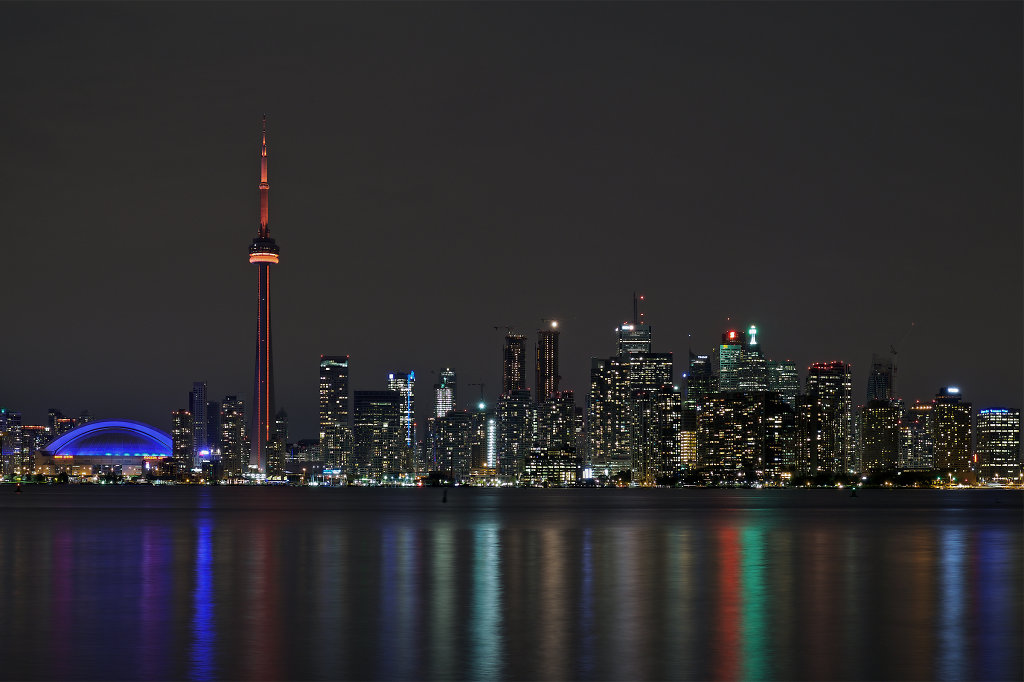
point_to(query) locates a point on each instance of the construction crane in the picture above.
(481, 385)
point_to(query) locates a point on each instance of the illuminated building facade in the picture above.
(335, 429)
(118, 445)
(454, 444)
(999, 456)
(445, 392)
(377, 435)
(10, 441)
(181, 441)
(917, 438)
(952, 423)
(547, 362)
(825, 421)
(513, 376)
(784, 379)
(405, 384)
(753, 368)
(880, 436)
(197, 408)
(233, 444)
(263, 252)
(729, 356)
(515, 432)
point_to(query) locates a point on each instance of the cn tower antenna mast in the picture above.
(263, 252)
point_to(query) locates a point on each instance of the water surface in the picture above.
(138, 582)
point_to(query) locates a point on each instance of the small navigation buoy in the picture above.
(444, 498)
(854, 493)
(17, 488)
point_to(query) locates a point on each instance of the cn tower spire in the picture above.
(264, 186)
(266, 455)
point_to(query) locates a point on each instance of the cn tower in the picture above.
(263, 253)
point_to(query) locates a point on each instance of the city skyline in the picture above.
(830, 222)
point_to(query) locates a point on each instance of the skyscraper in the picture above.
(999, 443)
(377, 435)
(445, 392)
(181, 441)
(197, 407)
(784, 379)
(232, 435)
(952, 424)
(263, 252)
(513, 376)
(335, 429)
(825, 420)
(753, 368)
(880, 436)
(404, 383)
(547, 362)
(729, 361)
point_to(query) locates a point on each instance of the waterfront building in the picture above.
(999, 456)
(181, 442)
(547, 362)
(952, 439)
(917, 438)
(335, 428)
(880, 436)
(825, 421)
(118, 446)
(263, 252)
(405, 384)
(197, 408)
(454, 444)
(377, 435)
(10, 441)
(515, 432)
(233, 443)
(278, 446)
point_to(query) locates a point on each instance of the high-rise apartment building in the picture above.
(952, 424)
(917, 438)
(405, 383)
(999, 456)
(233, 443)
(513, 377)
(825, 421)
(335, 427)
(547, 362)
(377, 435)
(197, 408)
(182, 435)
(515, 432)
(880, 436)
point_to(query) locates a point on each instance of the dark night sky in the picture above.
(829, 171)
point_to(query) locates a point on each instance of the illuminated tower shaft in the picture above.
(263, 253)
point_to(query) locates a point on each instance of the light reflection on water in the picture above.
(200, 583)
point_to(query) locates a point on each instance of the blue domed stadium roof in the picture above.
(112, 438)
